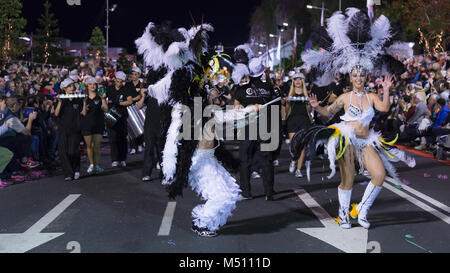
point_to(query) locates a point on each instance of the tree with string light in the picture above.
(47, 35)
(11, 28)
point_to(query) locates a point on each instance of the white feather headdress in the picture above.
(356, 42)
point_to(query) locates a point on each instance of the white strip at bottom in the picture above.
(164, 229)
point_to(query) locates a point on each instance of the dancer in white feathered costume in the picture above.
(210, 180)
(356, 47)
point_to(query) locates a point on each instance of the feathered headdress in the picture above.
(176, 59)
(247, 63)
(351, 40)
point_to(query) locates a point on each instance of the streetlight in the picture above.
(30, 40)
(322, 12)
(281, 29)
(107, 27)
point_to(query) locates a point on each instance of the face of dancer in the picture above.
(298, 84)
(358, 79)
(92, 87)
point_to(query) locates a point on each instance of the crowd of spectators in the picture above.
(28, 127)
(419, 113)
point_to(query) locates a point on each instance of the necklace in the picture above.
(360, 95)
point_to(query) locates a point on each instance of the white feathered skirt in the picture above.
(213, 183)
(387, 153)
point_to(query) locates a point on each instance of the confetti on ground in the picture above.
(406, 182)
(170, 242)
(442, 176)
(426, 175)
(365, 183)
(398, 187)
(409, 236)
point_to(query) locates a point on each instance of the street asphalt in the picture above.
(118, 213)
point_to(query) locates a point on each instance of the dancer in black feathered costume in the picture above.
(177, 59)
(172, 56)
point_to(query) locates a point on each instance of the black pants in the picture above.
(69, 152)
(135, 142)
(247, 150)
(118, 140)
(151, 148)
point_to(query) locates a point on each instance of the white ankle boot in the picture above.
(363, 207)
(344, 205)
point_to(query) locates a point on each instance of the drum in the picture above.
(112, 116)
(136, 120)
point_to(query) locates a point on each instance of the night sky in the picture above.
(128, 21)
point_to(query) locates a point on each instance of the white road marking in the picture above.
(352, 240)
(418, 203)
(53, 214)
(423, 196)
(32, 238)
(164, 229)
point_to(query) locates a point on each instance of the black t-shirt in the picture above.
(95, 117)
(134, 90)
(298, 108)
(152, 115)
(116, 96)
(69, 115)
(256, 92)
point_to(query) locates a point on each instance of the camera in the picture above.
(27, 111)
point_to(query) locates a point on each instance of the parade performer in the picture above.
(177, 61)
(356, 47)
(253, 91)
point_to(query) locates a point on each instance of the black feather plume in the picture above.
(320, 37)
(164, 35)
(359, 29)
(240, 56)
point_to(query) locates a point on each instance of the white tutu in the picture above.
(373, 140)
(210, 180)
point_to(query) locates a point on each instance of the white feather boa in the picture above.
(169, 157)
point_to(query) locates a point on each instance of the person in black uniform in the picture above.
(255, 92)
(152, 129)
(223, 89)
(119, 98)
(134, 87)
(69, 132)
(297, 117)
(93, 123)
